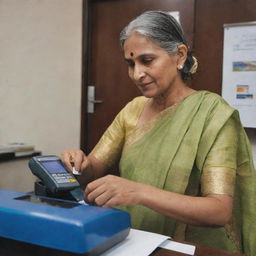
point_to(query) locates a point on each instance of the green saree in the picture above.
(172, 152)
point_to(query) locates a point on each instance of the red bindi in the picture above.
(131, 54)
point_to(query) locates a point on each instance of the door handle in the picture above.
(95, 101)
(91, 99)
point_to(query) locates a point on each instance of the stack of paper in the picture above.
(17, 149)
(142, 243)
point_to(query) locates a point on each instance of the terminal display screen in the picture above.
(54, 166)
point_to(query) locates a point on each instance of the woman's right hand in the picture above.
(89, 166)
(76, 156)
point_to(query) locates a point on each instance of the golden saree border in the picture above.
(218, 180)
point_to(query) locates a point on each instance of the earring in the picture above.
(180, 67)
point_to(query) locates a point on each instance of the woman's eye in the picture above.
(147, 61)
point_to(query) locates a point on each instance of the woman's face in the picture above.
(151, 68)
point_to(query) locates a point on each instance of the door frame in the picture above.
(86, 39)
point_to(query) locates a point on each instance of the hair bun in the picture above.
(194, 67)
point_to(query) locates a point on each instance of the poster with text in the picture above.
(239, 70)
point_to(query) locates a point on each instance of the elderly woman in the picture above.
(185, 163)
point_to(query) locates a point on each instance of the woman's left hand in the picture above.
(110, 191)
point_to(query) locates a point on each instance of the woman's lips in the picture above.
(145, 84)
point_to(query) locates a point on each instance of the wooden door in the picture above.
(104, 67)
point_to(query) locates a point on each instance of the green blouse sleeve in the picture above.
(219, 170)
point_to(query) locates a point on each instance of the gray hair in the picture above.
(164, 30)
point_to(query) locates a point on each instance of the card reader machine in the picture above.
(53, 173)
(59, 224)
(55, 180)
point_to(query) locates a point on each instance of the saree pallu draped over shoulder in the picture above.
(169, 153)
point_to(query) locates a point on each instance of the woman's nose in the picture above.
(139, 73)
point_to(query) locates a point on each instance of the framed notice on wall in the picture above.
(239, 70)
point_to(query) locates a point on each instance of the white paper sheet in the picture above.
(178, 247)
(137, 243)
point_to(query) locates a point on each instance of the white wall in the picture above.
(40, 73)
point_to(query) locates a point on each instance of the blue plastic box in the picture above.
(60, 224)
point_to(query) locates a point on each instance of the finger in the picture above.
(107, 181)
(93, 194)
(112, 202)
(103, 198)
(78, 158)
(92, 186)
(65, 158)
